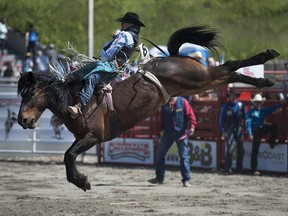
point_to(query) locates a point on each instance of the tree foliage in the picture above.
(246, 26)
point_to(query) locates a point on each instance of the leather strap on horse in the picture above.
(115, 126)
(154, 79)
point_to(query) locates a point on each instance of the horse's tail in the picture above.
(199, 35)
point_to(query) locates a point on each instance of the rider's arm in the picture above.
(248, 122)
(122, 39)
(269, 109)
(191, 118)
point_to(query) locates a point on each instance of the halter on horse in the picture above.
(134, 99)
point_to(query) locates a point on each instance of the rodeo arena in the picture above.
(32, 170)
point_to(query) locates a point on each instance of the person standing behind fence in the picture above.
(8, 72)
(256, 128)
(178, 122)
(3, 36)
(31, 42)
(27, 63)
(284, 85)
(232, 117)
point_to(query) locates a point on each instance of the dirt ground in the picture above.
(38, 186)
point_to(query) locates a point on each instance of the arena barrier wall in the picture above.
(138, 146)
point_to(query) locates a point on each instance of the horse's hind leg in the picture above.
(260, 58)
(73, 175)
(258, 82)
(231, 66)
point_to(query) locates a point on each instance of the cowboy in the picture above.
(178, 121)
(256, 128)
(232, 118)
(113, 55)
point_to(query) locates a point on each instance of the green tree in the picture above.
(246, 26)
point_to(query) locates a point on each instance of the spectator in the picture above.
(42, 61)
(178, 122)
(283, 95)
(256, 128)
(211, 62)
(232, 117)
(27, 64)
(52, 53)
(3, 36)
(31, 42)
(8, 72)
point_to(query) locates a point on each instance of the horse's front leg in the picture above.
(260, 58)
(73, 175)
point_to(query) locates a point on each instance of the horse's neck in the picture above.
(58, 113)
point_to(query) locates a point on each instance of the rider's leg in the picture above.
(102, 73)
(90, 82)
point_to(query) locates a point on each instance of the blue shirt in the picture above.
(123, 38)
(237, 111)
(255, 117)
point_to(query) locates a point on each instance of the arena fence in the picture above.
(138, 146)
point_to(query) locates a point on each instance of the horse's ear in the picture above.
(30, 74)
(31, 77)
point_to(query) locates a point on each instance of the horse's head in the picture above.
(41, 90)
(33, 102)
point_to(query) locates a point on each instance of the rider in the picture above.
(113, 55)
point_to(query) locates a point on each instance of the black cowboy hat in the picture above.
(131, 17)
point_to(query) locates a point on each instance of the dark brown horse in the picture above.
(134, 99)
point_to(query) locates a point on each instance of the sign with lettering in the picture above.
(268, 159)
(253, 71)
(202, 154)
(134, 151)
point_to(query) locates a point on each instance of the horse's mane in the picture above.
(199, 35)
(60, 92)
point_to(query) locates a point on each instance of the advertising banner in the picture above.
(203, 154)
(268, 159)
(134, 151)
(253, 71)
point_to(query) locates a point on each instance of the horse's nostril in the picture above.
(24, 121)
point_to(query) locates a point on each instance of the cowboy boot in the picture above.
(76, 109)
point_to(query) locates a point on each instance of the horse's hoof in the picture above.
(269, 82)
(87, 186)
(273, 53)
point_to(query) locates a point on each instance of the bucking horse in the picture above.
(134, 99)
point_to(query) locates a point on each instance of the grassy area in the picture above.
(246, 27)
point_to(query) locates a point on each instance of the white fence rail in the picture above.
(40, 140)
